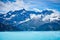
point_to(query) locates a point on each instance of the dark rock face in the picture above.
(49, 27)
(4, 27)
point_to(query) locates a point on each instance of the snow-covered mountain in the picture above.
(32, 20)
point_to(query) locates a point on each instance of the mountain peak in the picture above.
(23, 9)
(47, 11)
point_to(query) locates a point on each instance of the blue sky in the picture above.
(7, 5)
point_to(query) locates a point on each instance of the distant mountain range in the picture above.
(23, 20)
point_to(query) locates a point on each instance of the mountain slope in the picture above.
(4, 27)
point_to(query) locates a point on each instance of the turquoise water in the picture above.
(33, 35)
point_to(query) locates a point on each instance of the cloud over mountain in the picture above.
(53, 16)
(12, 6)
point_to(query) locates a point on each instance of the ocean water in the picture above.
(30, 35)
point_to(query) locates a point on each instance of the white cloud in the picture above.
(9, 17)
(34, 16)
(24, 21)
(46, 18)
(52, 17)
(8, 6)
(37, 10)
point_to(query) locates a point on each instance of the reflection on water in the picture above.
(30, 35)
